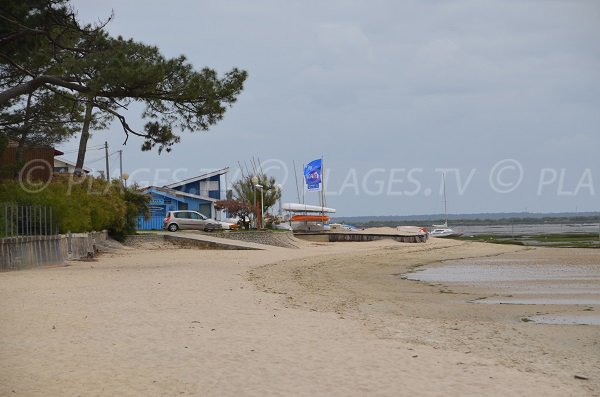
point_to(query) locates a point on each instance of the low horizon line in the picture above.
(562, 213)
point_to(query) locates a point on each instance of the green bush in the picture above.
(82, 205)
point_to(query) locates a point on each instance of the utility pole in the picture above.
(121, 165)
(262, 206)
(106, 156)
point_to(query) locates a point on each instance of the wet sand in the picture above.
(375, 291)
(567, 280)
(327, 319)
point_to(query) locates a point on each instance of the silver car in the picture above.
(176, 220)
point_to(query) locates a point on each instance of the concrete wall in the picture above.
(313, 237)
(283, 239)
(82, 245)
(26, 252)
(340, 237)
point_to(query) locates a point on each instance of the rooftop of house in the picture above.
(85, 169)
(207, 175)
(13, 144)
(176, 193)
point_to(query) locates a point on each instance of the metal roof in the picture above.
(86, 169)
(199, 177)
(174, 193)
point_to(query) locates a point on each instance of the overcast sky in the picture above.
(502, 95)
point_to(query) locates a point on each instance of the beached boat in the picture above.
(443, 230)
(297, 207)
(309, 218)
(305, 217)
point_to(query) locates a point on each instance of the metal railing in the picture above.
(27, 220)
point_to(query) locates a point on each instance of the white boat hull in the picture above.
(446, 232)
(296, 207)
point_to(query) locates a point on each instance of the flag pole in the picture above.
(322, 189)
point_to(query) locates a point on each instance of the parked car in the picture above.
(176, 220)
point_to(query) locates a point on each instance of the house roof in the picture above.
(176, 194)
(199, 178)
(12, 144)
(86, 169)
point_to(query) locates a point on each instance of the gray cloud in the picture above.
(387, 84)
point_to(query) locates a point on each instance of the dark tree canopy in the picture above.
(36, 37)
(31, 35)
(46, 53)
(44, 119)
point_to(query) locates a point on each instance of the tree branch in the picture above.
(122, 120)
(37, 82)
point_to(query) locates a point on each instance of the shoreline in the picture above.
(326, 319)
(390, 305)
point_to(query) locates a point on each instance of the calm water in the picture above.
(526, 282)
(509, 229)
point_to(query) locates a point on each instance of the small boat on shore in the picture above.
(444, 231)
(297, 207)
(309, 218)
(305, 217)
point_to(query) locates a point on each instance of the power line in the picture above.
(95, 160)
(77, 150)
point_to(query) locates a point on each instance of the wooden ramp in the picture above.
(204, 241)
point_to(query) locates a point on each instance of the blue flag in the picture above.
(313, 175)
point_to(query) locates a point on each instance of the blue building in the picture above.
(197, 194)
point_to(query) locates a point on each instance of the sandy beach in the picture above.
(325, 319)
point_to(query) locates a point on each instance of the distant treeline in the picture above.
(470, 219)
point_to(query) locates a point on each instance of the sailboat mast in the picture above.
(303, 183)
(445, 202)
(296, 178)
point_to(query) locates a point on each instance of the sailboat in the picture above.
(443, 230)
